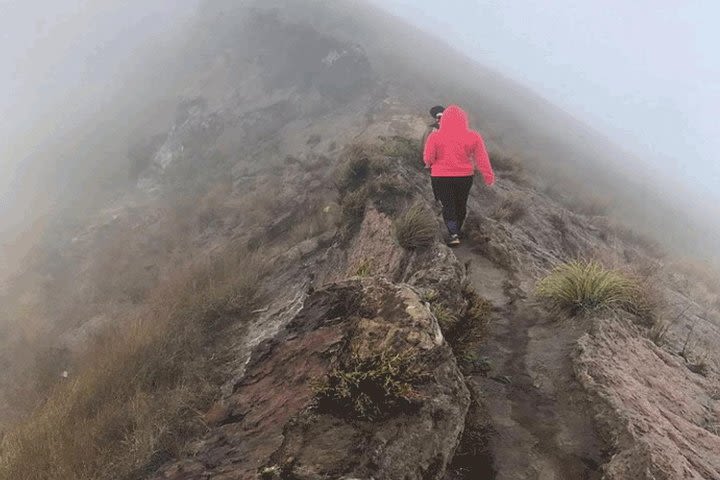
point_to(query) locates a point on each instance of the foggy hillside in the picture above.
(568, 153)
(231, 266)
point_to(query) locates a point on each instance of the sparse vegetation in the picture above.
(355, 169)
(659, 331)
(696, 358)
(558, 222)
(508, 167)
(429, 296)
(417, 228)
(353, 207)
(406, 149)
(270, 473)
(387, 194)
(444, 316)
(469, 331)
(370, 388)
(580, 287)
(511, 209)
(464, 329)
(366, 175)
(135, 393)
(364, 269)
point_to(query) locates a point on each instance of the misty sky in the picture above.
(644, 72)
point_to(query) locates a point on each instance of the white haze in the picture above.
(646, 73)
(643, 73)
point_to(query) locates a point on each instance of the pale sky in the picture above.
(644, 72)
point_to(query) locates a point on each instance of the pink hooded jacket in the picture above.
(448, 150)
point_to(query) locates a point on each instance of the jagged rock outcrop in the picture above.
(661, 420)
(271, 421)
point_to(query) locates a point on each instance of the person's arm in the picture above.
(430, 153)
(482, 161)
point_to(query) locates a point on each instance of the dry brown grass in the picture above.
(509, 167)
(512, 209)
(135, 395)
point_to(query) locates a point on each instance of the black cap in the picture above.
(437, 110)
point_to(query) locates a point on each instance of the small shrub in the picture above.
(659, 331)
(387, 194)
(417, 228)
(370, 388)
(364, 269)
(579, 286)
(429, 296)
(355, 169)
(558, 222)
(470, 328)
(353, 207)
(406, 149)
(444, 316)
(270, 473)
(510, 210)
(509, 168)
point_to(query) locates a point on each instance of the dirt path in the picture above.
(541, 428)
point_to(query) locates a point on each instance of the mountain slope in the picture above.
(212, 310)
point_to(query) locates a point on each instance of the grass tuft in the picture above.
(444, 316)
(579, 287)
(417, 228)
(511, 209)
(353, 207)
(407, 150)
(355, 169)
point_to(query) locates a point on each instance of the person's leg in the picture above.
(461, 193)
(444, 188)
(435, 187)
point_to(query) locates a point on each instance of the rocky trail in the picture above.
(539, 425)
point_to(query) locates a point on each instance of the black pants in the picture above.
(453, 193)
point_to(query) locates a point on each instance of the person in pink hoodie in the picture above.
(452, 153)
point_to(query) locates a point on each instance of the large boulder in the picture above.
(277, 425)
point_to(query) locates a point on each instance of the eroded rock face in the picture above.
(657, 413)
(270, 420)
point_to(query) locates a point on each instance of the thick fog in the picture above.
(644, 73)
(62, 62)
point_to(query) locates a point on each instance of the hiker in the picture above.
(447, 155)
(436, 113)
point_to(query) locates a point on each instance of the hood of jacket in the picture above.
(454, 119)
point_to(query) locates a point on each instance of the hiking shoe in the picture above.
(454, 241)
